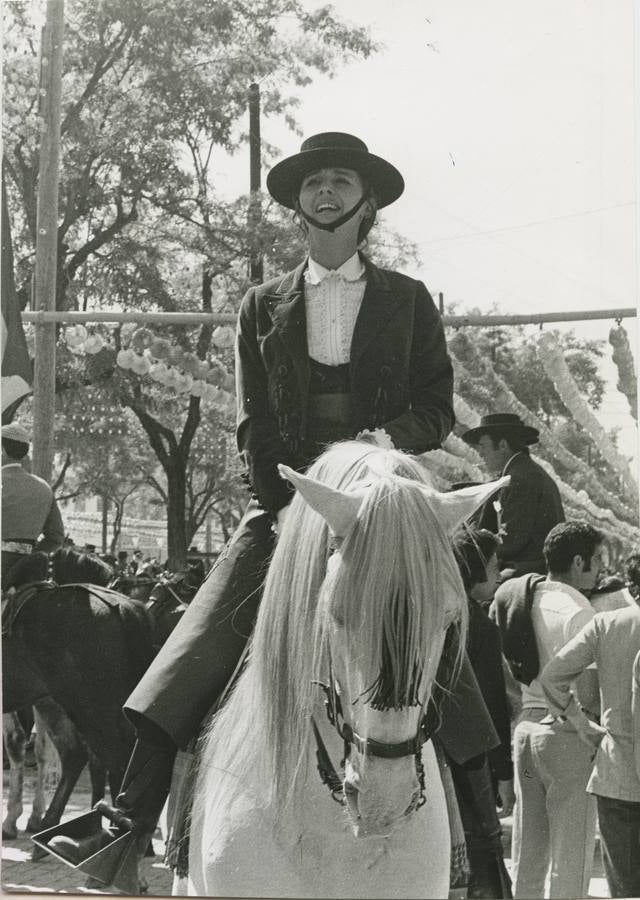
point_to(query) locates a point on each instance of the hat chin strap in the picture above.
(338, 222)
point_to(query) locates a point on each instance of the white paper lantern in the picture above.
(93, 344)
(75, 337)
(140, 365)
(224, 336)
(158, 372)
(125, 359)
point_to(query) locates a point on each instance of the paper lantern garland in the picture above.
(167, 364)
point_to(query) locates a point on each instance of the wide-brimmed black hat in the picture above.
(502, 423)
(333, 149)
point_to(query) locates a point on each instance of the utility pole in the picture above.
(256, 267)
(47, 237)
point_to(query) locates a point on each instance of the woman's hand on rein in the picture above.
(378, 436)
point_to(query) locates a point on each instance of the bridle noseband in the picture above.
(429, 724)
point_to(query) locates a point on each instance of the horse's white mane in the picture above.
(397, 569)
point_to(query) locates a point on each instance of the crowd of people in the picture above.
(543, 720)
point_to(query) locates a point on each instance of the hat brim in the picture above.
(529, 434)
(285, 178)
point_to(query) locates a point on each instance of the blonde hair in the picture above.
(389, 591)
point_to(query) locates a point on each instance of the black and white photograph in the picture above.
(320, 507)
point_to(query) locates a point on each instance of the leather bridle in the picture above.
(429, 724)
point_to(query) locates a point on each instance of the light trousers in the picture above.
(554, 820)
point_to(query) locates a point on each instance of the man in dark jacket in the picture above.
(529, 507)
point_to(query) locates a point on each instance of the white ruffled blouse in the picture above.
(332, 302)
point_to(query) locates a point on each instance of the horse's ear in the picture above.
(338, 508)
(454, 507)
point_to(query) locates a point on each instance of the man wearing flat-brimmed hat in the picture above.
(335, 349)
(30, 514)
(530, 506)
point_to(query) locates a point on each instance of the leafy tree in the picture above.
(152, 88)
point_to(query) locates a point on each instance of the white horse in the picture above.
(360, 592)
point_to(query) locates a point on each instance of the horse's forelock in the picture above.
(390, 592)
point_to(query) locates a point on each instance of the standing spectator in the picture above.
(610, 593)
(611, 640)
(632, 571)
(30, 514)
(476, 552)
(554, 817)
(136, 562)
(635, 712)
(122, 562)
(528, 508)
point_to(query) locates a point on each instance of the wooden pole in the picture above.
(256, 267)
(47, 237)
(73, 317)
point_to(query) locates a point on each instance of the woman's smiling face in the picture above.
(329, 193)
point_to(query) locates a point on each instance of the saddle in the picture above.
(15, 599)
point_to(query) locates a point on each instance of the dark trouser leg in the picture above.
(193, 668)
(9, 559)
(482, 828)
(620, 842)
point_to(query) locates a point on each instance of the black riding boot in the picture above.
(146, 782)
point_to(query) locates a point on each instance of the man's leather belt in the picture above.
(17, 546)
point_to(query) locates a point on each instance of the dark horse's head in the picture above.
(69, 566)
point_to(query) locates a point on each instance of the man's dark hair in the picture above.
(632, 571)
(569, 539)
(608, 585)
(473, 548)
(15, 449)
(513, 438)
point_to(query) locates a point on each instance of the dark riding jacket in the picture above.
(401, 377)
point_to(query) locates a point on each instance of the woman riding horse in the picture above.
(334, 348)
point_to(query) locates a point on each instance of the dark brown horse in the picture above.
(165, 596)
(75, 652)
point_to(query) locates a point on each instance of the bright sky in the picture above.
(513, 125)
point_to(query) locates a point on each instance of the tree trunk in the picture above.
(117, 526)
(176, 529)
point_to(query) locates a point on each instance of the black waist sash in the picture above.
(329, 409)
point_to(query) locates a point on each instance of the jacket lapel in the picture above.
(379, 304)
(287, 311)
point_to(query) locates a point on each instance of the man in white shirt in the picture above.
(611, 641)
(30, 514)
(554, 818)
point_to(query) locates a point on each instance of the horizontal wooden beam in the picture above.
(70, 317)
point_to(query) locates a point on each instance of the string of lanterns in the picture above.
(505, 397)
(166, 363)
(558, 371)
(623, 358)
